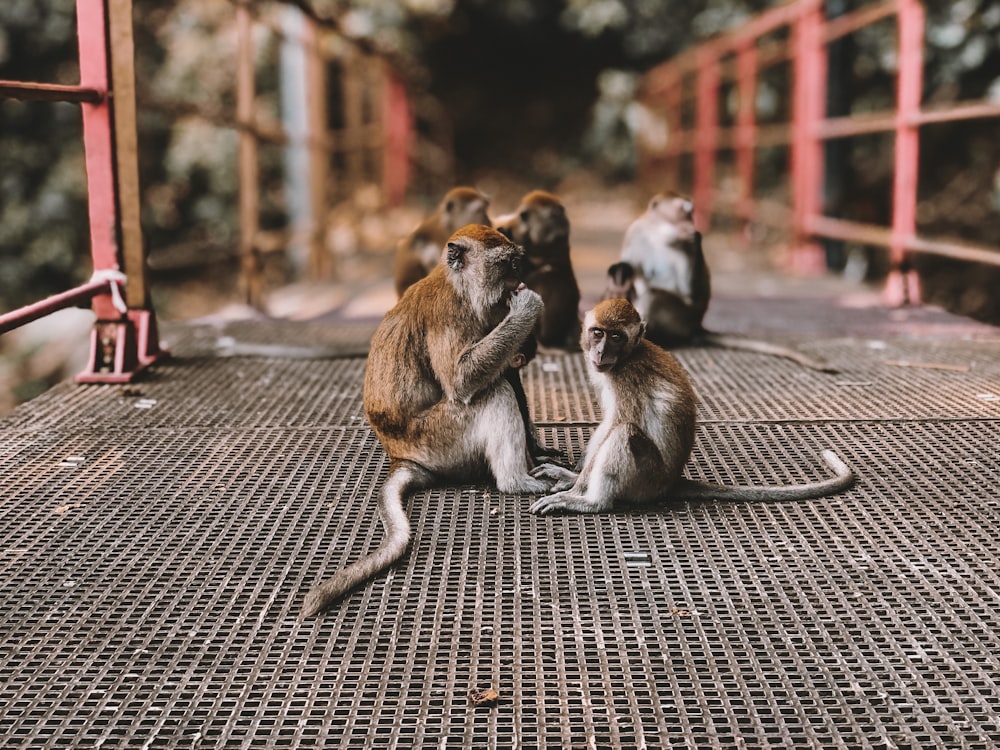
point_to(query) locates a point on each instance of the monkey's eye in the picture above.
(597, 333)
(515, 265)
(615, 336)
(524, 216)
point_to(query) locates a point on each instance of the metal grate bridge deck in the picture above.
(156, 541)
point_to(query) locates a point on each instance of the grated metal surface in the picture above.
(154, 558)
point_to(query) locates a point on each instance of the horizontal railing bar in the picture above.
(71, 298)
(871, 234)
(842, 26)
(49, 92)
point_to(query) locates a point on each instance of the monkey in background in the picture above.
(647, 432)
(419, 252)
(435, 392)
(540, 225)
(664, 274)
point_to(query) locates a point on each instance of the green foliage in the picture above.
(43, 211)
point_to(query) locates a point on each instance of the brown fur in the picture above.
(435, 391)
(645, 438)
(418, 253)
(540, 225)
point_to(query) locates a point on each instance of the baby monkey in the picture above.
(645, 438)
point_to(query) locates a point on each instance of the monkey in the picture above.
(664, 274)
(670, 321)
(418, 253)
(540, 225)
(434, 389)
(647, 431)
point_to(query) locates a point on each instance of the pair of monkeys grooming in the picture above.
(438, 397)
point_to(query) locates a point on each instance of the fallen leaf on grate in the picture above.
(67, 507)
(487, 697)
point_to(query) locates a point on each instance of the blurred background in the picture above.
(506, 95)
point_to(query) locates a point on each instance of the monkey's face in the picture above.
(672, 207)
(621, 282)
(486, 264)
(605, 347)
(610, 332)
(464, 206)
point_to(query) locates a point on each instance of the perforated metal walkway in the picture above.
(156, 541)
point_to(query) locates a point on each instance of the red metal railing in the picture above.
(124, 338)
(810, 33)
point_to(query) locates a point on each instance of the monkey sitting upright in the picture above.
(647, 432)
(419, 252)
(664, 274)
(540, 226)
(435, 392)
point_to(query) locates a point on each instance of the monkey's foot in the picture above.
(567, 501)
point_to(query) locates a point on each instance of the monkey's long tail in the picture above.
(729, 341)
(404, 477)
(692, 490)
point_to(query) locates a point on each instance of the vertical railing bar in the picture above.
(809, 91)
(902, 286)
(746, 126)
(91, 21)
(122, 51)
(318, 144)
(706, 137)
(249, 191)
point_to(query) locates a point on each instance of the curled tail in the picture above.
(692, 490)
(728, 341)
(403, 478)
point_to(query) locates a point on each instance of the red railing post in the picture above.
(902, 285)
(398, 134)
(809, 109)
(706, 135)
(746, 126)
(674, 95)
(91, 19)
(124, 338)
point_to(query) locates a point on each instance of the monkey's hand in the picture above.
(568, 501)
(525, 304)
(562, 478)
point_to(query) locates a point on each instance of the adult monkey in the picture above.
(664, 274)
(541, 227)
(435, 393)
(648, 429)
(419, 252)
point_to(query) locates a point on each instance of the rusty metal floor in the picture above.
(156, 541)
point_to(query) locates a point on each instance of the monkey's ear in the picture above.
(456, 256)
(642, 331)
(506, 232)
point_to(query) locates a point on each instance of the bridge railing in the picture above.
(748, 51)
(124, 337)
(376, 141)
